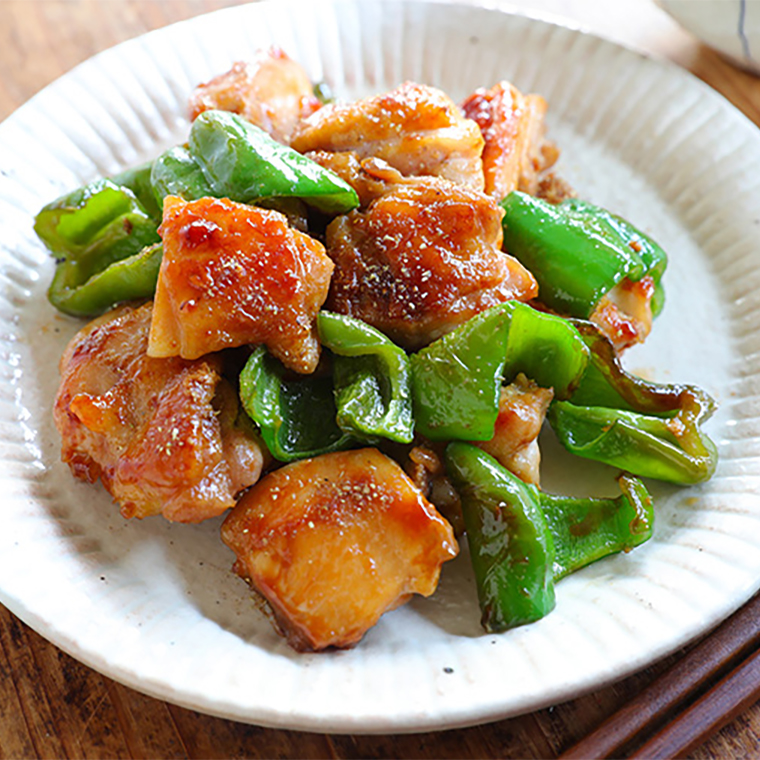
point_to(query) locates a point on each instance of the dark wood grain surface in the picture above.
(54, 707)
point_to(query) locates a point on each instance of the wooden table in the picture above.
(52, 706)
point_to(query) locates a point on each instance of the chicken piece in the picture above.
(624, 315)
(415, 128)
(522, 409)
(232, 275)
(554, 189)
(159, 433)
(369, 177)
(272, 91)
(515, 152)
(427, 471)
(424, 258)
(333, 542)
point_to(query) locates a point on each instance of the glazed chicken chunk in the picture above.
(272, 91)
(417, 129)
(425, 467)
(369, 177)
(522, 410)
(333, 542)
(515, 152)
(161, 434)
(422, 259)
(624, 314)
(233, 275)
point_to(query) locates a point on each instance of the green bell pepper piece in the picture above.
(606, 383)
(137, 179)
(365, 397)
(243, 163)
(88, 230)
(649, 429)
(672, 449)
(176, 172)
(323, 93)
(456, 380)
(523, 540)
(296, 415)
(372, 379)
(124, 280)
(578, 252)
(654, 260)
(587, 529)
(511, 549)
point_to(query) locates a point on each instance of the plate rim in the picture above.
(35, 620)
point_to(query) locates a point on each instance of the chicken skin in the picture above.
(234, 275)
(333, 542)
(415, 128)
(272, 91)
(515, 152)
(422, 259)
(161, 434)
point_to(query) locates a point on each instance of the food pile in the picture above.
(345, 324)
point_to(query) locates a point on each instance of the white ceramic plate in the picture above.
(155, 605)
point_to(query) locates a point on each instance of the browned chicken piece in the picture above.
(624, 315)
(554, 189)
(161, 434)
(333, 542)
(370, 177)
(424, 258)
(522, 409)
(272, 91)
(512, 124)
(233, 275)
(425, 468)
(415, 128)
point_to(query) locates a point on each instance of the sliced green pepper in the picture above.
(578, 252)
(176, 172)
(89, 230)
(243, 163)
(457, 379)
(124, 280)
(522, 540)
(606, 383)
(511, 548)
(323, 93)
(137, 179)
(365, 396)
(587, 529)
(372, 378)
(652, 430)
(672, 449)
(296, 415)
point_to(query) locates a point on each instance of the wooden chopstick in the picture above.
(679, 709)
(735, 693)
